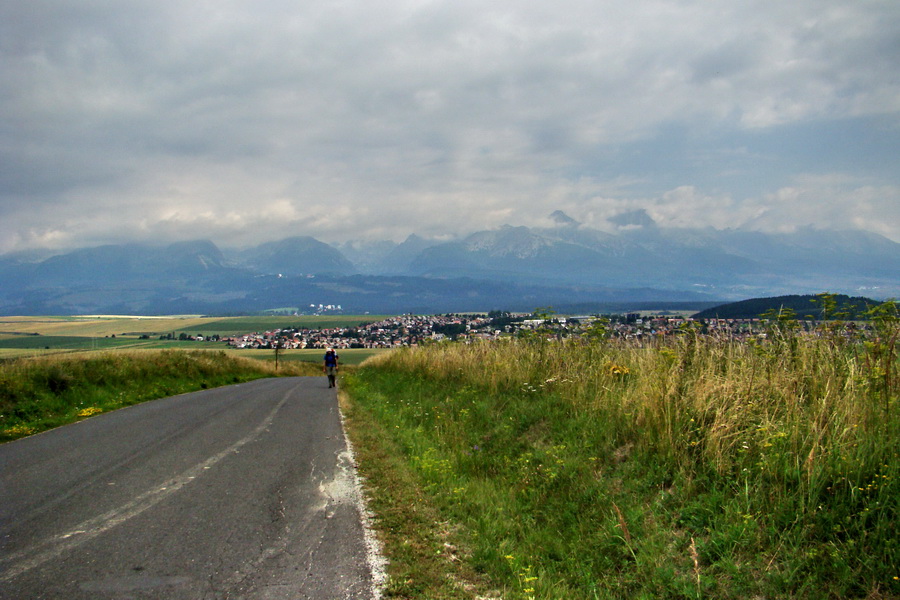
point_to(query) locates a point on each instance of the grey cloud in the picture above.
(724, 61)
(443, 108)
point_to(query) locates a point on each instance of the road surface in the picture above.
(244, 492)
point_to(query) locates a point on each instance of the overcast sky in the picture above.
(244, 121)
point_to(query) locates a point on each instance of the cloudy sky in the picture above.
(248, 120)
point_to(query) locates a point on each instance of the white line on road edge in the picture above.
(375, 558)
(27, 559)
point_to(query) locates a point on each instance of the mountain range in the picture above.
(513, 268)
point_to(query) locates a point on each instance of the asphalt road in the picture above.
(246, 491)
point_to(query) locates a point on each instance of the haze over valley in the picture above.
(511, 268)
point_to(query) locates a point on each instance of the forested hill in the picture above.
(804, 306)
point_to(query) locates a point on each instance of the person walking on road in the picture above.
(331, 367)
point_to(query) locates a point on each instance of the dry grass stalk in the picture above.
(622, 524)
(696, 558)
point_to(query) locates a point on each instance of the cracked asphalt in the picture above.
(244, 492)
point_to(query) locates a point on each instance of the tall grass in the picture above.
(692, 467)
(40, 393)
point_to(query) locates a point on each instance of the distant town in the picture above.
(413, 330)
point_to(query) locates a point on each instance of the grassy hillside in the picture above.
(37, 394)
(813, 307)
(696, 468)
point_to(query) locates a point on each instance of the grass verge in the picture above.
(694, 469)
(421, 547)
(37, 394)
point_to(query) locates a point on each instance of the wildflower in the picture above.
(19, 430)
(617, 370)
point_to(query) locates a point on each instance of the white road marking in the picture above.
(375, 558)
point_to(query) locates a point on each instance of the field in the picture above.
(98, 325)
(693, 467)
(350, 356)
(32, 336)
(108, 325)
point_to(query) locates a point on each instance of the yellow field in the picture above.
(98, 325)
(105, 333)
